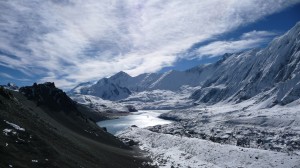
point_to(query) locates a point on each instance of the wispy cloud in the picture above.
(75, 41)
(248, 40)
(10, 77)
(5, 75)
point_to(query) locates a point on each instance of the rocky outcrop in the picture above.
(48, 95)
(5, 93)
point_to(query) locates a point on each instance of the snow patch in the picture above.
(6, 131)
(15, 126)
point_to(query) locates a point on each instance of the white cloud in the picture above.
(257, 34)
(75, 41)
(248, 40)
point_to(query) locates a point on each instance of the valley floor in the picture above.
(224, 135)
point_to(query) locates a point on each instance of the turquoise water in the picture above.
(143, 118)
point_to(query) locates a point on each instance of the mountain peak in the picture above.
(10, 86)
(47, 94)
(120, 75)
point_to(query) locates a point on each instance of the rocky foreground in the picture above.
(42, 127)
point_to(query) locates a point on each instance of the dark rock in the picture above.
(6, 93)
(215, 139)
(191, 132)
(47, 94)
(259, 141)
(243, 142)
(131, 143)
(131, 108)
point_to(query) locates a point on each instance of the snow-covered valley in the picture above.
(174, 151)
(224, 135)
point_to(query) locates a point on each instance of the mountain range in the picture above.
(270, 74)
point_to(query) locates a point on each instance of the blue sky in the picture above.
(69, 42)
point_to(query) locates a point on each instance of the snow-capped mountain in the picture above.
(108, 90)
(82, 88)
(272, 73)
(10, 86)
(104, 88)
(121, 85)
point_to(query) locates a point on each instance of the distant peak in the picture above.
(120, 74)
(10, 84)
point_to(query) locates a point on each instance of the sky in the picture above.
(73, 41)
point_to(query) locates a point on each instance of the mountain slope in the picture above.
(81, 88)
(274, 71)
(47, 135)
(108, 90)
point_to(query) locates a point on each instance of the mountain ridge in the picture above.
(274, 69)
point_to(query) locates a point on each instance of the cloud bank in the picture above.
(75, 41)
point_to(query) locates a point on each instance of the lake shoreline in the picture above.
(142, 118)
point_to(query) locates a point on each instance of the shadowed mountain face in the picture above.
(47, 94)
(56, 133)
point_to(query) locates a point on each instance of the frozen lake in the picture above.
(142, 118)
